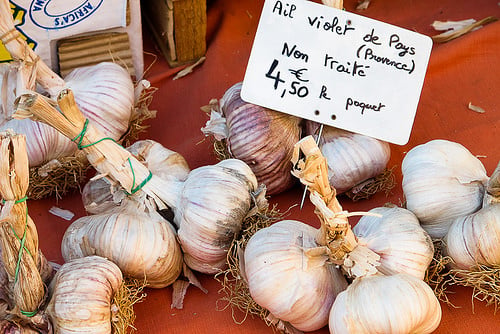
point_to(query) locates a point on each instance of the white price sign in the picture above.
(337, 68)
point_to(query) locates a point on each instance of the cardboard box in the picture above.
(73, 33)
(179, 28)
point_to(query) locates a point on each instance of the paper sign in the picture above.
(337, 68)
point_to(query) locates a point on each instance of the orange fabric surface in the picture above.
(461, 71)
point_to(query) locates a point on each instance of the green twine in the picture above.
(21, 250)
(79, 139)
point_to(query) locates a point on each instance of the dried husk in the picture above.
(25, 269)
(261, 137)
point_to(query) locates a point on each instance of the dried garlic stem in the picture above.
(452, 34)
(103, 153)
(19, 50)
(335, 231)
(18, 235)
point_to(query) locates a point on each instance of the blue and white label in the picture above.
(49, 14)
(337, 68)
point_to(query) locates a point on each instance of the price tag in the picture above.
(337, 68)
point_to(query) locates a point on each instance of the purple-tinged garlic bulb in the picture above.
(261, 137)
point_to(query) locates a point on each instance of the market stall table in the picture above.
(462, 71)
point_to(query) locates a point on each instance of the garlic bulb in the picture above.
(393, 304)
(442, 180)
(209, 207)
(142, 244)
(104, 93)
(403, 245)
(210, 210)
(261, 137)
(289, 274)
(352, 157)
(99, 195)
(475, 239)
(81, 295)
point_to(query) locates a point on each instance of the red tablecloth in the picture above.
(461, 71)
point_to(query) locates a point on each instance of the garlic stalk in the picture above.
(403, 245)
(99, 195)
(442, 181)
(81, 296)
(353, 159)
(474, 239)
(25, 268)
(219, 196)
(138, 240)
(261, 137)
(394, 304)
(104, 93)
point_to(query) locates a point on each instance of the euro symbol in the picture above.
(298, 74)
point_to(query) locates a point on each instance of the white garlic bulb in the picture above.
(475, 239)
(290, 275)
(261, 137)
(403, 245)
(352, 157)
(392, 304)
(81, 294)
(143, 245)
(99, 195)
(442, 180)
(105, 95)
(210, 210)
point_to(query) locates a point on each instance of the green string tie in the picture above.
(79, 139)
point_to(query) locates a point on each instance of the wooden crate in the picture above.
(179, 28)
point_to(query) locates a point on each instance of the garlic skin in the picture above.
(403, 245)
(442, 181)
(475, 239)
(143, 245)
(105, 95)
(211, 207)
(261, 137)
(289, 274)
(103, 92)
(99, 195)
(81, 294)
(393, 304)
(352, 157)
